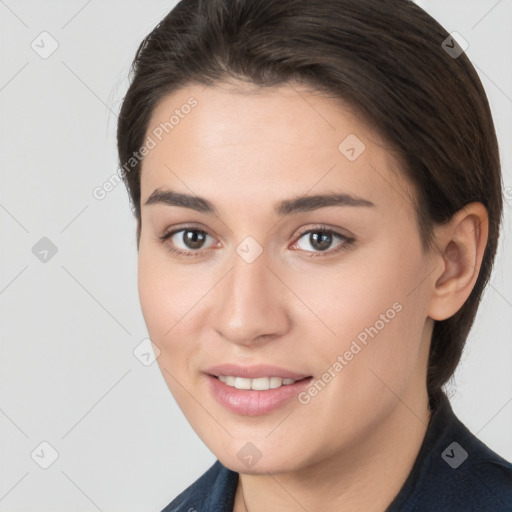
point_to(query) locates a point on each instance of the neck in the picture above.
(365, 476)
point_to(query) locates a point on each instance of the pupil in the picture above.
(321, 242)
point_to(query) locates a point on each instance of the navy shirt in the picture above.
(454, 471)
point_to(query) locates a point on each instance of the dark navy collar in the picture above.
(454, 471)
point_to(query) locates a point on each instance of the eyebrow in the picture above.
(285, 207)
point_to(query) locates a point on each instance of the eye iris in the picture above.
(193, 239)
(320, 240)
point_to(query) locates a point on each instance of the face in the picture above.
(289, 302)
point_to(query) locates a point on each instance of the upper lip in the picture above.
(254, 371)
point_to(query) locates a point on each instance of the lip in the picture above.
(254, 372)
(251, 402)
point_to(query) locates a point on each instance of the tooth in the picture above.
(261, 383)
(275, 382)
(241, 383)
(227, 379)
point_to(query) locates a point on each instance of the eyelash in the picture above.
(346, 241)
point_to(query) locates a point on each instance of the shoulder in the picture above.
(214, 490)
(475, 474)
(456, 471)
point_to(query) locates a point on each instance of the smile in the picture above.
(259, 384)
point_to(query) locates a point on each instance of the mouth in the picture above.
(256, 390)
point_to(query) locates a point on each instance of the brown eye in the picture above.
(320, 240)
(193, 239)
(186, 241)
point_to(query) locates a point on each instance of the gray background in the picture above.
(70, 324)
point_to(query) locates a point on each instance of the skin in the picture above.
(352, 446)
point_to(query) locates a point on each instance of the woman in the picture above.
(318, 198)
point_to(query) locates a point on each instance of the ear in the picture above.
(460, 245)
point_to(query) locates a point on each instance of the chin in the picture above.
(260, 468)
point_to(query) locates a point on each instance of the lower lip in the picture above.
(250, 402)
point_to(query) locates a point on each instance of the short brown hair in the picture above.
(384, 58)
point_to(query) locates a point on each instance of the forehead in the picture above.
(280, 140)
(243, 114)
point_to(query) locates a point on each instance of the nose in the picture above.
(250, 303)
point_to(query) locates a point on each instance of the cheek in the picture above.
(153, 296)
(172, 303)
(377, 308)
(167, 293)
(162, 308)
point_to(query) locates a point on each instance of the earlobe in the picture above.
(460, 248)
